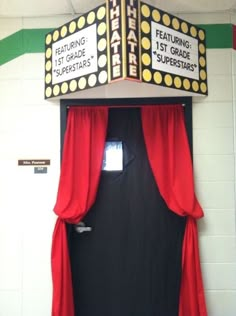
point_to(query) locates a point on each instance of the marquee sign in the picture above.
(76, 55)
(125, 39)
(123, 17)
(173, 51)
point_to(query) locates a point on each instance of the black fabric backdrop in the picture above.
(130, 263)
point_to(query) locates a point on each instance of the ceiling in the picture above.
(41, 8)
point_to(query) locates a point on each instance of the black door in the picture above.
(130, 263)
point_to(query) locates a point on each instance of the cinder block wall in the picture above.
(214, 164)
(30, 128)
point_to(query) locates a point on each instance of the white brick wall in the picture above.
(30, 128)
(214, 166)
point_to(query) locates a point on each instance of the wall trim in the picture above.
(22, 42)
(27, 41)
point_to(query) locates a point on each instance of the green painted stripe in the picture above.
(234, 36)
(218, 35)
(32, 40)
(11, 47)
(22, 42)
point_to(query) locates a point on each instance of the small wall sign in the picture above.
(40, 170)
(34, 162)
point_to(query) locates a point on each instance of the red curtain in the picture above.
(168, 152)
(81, 167)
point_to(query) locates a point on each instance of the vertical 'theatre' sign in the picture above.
(132, 39)
(116, 41)
(123, 21)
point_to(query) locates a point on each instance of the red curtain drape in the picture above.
(80, 172)
(169, 156)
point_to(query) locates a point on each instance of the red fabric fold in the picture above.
(61, 273)
(80, 173)
(192, 300)
(169, 156)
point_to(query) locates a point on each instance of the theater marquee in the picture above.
(125, 40)
(76, 55)
(173, 51)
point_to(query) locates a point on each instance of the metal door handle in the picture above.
(81, 228)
